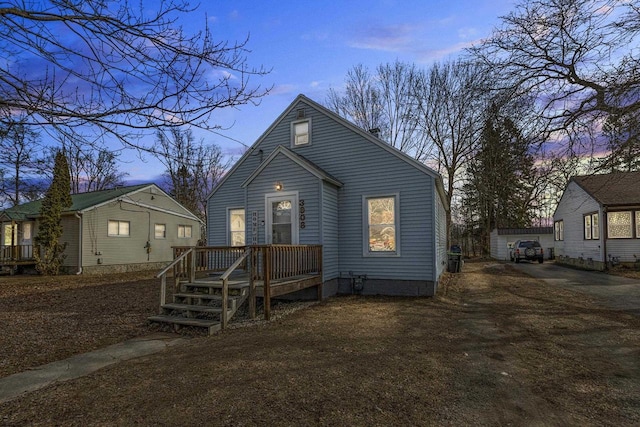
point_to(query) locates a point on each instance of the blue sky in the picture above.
(310, 46)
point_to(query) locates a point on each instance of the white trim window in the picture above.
(237, 227)
(591, 226)
(619, 225)
(184, 231)
(301, 133)
(117, 228)
(381, 217)
(637, 224)
(26, 231)
(160, 231)
(559, 230)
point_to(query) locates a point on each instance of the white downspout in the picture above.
(79, 243)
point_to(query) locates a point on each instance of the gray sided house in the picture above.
(502, 238)
(315, 178)
(597, 222)
(123, 229)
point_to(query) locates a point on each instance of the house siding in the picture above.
(441, 238)
(330, 239)
(294, 178)
(366, 169)
(574, 204)
(70, 237)
(100, 249)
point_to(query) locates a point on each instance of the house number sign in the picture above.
(254, 227)
(301, 215)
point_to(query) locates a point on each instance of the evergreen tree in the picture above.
(501, 178)
(56, 200)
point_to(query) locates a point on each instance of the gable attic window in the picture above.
(118, 228)
(619, 225)
(301, 133)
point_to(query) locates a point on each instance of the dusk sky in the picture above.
(310, 46)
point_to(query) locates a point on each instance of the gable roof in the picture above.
(530, 230)
(613, 189)
(365, 134)
(79, 202)
(306, 164)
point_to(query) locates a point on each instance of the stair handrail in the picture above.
(225, 287)
(163, 276)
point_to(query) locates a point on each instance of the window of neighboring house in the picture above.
(184, 231)
(160, 231)
(10, 234)
(559, 230)
(301, 133)
(381, 225)
(591, 227)
(619, 225)
(26, 231)
(637, 224)
(118, 228)
(236, 227)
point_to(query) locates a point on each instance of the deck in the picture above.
(16, 256)
(214, 281)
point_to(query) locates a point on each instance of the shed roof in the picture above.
(530, 230)
(79, 202)
(620, 188)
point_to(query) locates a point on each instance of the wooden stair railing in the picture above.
(225, 286)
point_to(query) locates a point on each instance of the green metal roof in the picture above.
(79, 202)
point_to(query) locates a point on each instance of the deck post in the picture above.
(225, 298)
(267, 282)
(253, 268)
(163, 291)
(192, 266)
(319, 251)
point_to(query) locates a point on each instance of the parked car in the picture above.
(527, 249)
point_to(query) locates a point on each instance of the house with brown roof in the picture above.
(597, 221)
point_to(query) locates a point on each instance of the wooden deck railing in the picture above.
(212, 258)
(16, 253)
(276, 262)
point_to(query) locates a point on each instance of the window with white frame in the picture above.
(184, 231)
(591, 226)
(381, 225)
(118, 228)
(619, 225)
(236, 227)
(301, 133)
(637, 224)
(559, 230)
(26, 231)
(160, 231)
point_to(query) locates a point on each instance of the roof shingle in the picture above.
(621, 188)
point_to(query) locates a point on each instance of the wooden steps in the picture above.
(199, 304)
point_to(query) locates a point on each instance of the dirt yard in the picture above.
(494, 348)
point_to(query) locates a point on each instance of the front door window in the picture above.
(281, 214)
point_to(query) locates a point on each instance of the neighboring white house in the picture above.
(597, 222)
(121, 229)
(503, 238)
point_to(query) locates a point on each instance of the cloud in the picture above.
(283, 89)
(390, 38)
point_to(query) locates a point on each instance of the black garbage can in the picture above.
(455, 262)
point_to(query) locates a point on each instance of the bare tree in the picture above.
(452, 106)
(192, 168)
(117, 68)
(19, 153)
(385, 101)
(576, 57)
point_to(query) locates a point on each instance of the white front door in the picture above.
(282, 214)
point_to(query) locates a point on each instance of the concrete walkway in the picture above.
(83, 364)
(615, 292)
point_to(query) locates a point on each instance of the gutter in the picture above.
(605, 236)
(79, 243)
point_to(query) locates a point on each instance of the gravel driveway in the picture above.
(615, 292)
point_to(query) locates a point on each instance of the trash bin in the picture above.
(455, 262)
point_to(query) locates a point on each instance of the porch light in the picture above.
(279, 186)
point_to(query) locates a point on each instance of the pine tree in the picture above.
(58, 198)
